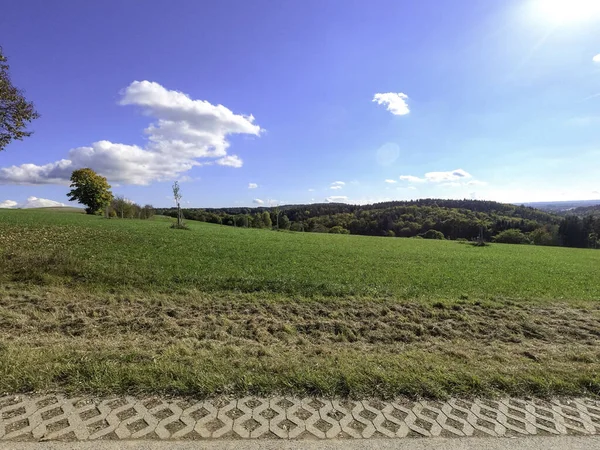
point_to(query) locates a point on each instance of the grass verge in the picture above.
(202, 345)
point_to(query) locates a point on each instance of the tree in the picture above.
(177, 197)
(15, 110)
(338, 230)
(90, 189)
(266, 218)
(541, 236)
(433, 234)
(511, 236)
(571, 232)
(147, 212)
(122, 206)
(285, 222)
(276, 211)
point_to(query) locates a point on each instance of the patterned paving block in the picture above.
(55, 417)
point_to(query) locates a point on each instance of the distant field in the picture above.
(113, 306)
(57, 249)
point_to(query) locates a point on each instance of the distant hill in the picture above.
(582, 211)
(563, 206)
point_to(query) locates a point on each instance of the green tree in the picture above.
(90, 189)
(147, 212)
(541, 236)
(512, 236)
(433, 234)
(122, 206)
(338, 230)
(15, 110)
(284, 223)
(266, 219)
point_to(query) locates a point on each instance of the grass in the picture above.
(125, 306)
(104, 255)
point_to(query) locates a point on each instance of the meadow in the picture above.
(103, 306)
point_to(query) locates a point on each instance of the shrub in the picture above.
(338, 230)
(541, 236)
(511, 236)
(433, 234)
(297, 226)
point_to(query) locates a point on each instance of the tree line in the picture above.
(426, 218)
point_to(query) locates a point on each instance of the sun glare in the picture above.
(567, 11)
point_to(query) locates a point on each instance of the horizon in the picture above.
(31, 204)
(307, 102)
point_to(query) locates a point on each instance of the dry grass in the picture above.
(237, 344)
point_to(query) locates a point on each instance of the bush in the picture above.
(541, 236)
(179, 226)
(391, 233)
(297, 226)
(338, 230)
(433, 234)
(511, 236)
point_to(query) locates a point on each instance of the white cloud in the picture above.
(258, 201)
(8, 204)
(412, 179)
(438, 177)
(230, 160)
(32, 202)
(453, 175)
(311, 190)
(395, 102)
(184, 132)
(337, 199)
(596, 58)
(452, 178)
(337, 185)
(252, 185)
(391, 181)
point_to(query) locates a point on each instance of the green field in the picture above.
(113, 306)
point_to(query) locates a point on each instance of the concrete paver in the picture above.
(526, 443)
(59, 418)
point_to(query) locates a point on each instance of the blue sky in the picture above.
(357, 101)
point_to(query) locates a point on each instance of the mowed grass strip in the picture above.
(52, 248)
(243, 344)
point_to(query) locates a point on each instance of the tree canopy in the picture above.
(15, 111)
(432, 218)
(90, 189)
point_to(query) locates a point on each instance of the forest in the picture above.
(426, 218)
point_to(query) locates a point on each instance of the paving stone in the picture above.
(54, 417)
